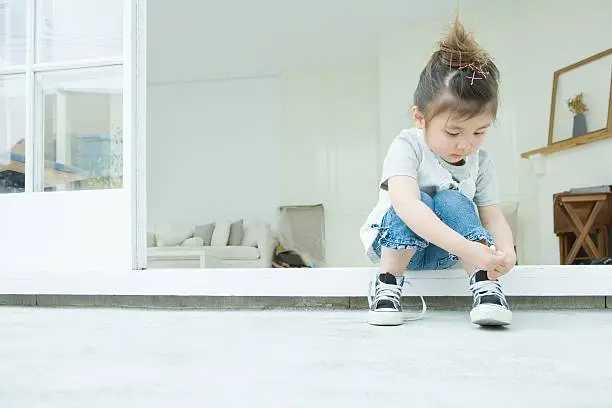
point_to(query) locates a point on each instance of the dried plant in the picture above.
(576, 105)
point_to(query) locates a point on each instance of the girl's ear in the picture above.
(418, 117)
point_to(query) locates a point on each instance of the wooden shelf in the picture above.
(590, 137)
(569, 143)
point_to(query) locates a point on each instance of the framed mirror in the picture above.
(581, 103)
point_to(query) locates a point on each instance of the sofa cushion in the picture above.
(242, 253)
(151, 239)
(193, 242)
(236, 233)
(221, 233)
(205, 232)
(249, 236)
(167, 236)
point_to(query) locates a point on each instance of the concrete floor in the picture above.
(138, 358)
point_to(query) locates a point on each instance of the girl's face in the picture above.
(453, 139)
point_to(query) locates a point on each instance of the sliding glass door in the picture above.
(68, 134)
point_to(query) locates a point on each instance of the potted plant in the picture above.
(577, 107)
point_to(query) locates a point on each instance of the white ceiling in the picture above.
(197, 39)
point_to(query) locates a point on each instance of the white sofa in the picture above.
(254, 251)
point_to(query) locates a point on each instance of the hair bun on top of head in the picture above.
(460, 77)
(459, 50)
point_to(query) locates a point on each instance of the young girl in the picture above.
(438, 201)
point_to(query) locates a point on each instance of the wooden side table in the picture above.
(578, 218)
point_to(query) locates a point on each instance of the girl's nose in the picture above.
(463, 145)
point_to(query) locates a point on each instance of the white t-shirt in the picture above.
(409, 155)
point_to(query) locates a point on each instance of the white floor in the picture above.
(137, 358)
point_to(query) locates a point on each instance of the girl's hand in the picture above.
(508, 262)
(484, 258)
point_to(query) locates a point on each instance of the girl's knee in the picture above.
(452, 200)
(457, 211)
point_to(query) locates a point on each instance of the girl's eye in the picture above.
(452, 134)
(479, 133)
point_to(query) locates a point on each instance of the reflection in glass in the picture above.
(96, 33)
(12, 134)
(83, 129)
(12, 32)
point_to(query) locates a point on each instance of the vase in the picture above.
(580, 127)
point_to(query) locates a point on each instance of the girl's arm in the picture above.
(493, 220)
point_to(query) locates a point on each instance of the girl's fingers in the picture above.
(492, 275)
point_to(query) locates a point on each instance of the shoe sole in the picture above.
(389, 317)
(491, 315)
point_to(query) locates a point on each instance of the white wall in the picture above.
(242, 148)
(529, 40)
(330, 146)
(213, 151)
(77, 231)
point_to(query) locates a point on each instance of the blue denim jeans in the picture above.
(454, 209)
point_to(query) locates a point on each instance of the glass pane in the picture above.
(12, 32)
(83, 128)
(77, 29)
(12, 134)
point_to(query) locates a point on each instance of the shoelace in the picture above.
(487, 287)
(393, 293)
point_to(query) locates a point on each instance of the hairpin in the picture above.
(471, 65)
